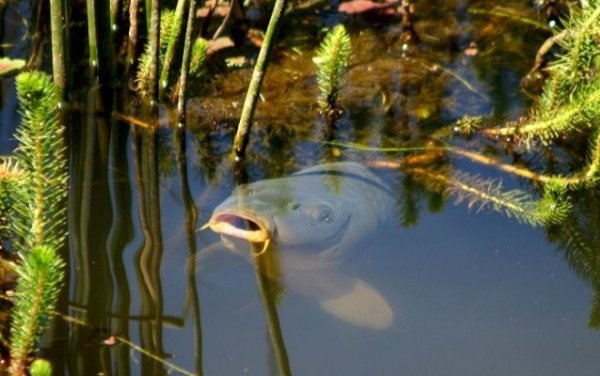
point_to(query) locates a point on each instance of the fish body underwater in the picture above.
(316, 219)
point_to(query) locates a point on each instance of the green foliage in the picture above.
(9, 176)
(554, 206)
(32, 193)
(571, 97)
(168, 35)
(40, 280)
(40, 367)
(199, 53)
(39, 210)
(333, 58)
(489, 194)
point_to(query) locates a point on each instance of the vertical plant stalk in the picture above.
(185, 65)
(57, 22)
(241, 137)
(267, 289)
(172, 47)
(92, 34)
(114, 12)
(153, 39)
(133, 33)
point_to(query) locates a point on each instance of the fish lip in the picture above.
(224, 223)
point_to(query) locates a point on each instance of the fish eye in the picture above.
(326, 216)
(322, 213)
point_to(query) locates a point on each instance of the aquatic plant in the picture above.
(192, 61)
(488, 194)
(40, 367)
(175, 28)
(144, 78)
(199, 53)
(57, 23)
(241, 137)
(39, 283)
(39, 211)
(569, 105)
(35, 204)
(10, 173)
(570, 100)
(332, 59)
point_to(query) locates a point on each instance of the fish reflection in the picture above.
(308, 224)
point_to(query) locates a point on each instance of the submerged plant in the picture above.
(332, 59)
(481, 194)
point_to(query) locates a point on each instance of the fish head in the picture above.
(273, 210)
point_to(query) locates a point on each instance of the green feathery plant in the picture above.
(40, 367)
(35, 205)
(570, 100)
(39, 210)
(167, 36)
(199, 53)
(9, 177)
(483, 194)
(39, 283)
(176, 26)
(332, 59)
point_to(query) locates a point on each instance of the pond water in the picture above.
(470, 292)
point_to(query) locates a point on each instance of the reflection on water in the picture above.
(470, 293)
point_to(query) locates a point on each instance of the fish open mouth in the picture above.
(241, 225)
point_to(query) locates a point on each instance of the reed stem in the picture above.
(133, 33)
(185, 64)
(92, 35)
(153, 39)
(172, 47)
(241, 137)
(57, 23)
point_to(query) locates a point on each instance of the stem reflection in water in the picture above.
(149, 256)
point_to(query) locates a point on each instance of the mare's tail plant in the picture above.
(332, 59)
(571, 97)
(167, 37)
(37, 214)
